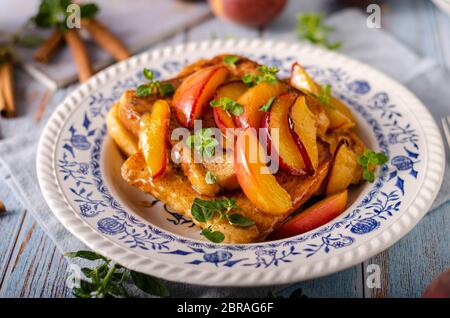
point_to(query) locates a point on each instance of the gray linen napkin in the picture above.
(373, 46)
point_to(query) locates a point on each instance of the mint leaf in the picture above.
(149, 284)
(231, 59)
(148, 74)
(248, 79)
(88, 10)
(143, 90)
(203, 210)
(240, 220)
(368, 175)
(213, 236)
(166, 89)
(267, 105)
(89, 255)
(229, 105)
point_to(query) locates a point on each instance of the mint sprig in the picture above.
(325, 96)
(203, 142)
(108, 279)
(369, 159)
(154, 86)
(204, 210)
(310, 27)
(266, 74)
(54, 14)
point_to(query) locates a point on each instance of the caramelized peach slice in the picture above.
(292, 153)
(232, 90)
(152, 137)
(343, 170)
(127, 143)
(260, 187)
(339, 114)
(303, 123)
(301, 80)
(322, 120)
(195, 92)
(317, 215)
(253, 99)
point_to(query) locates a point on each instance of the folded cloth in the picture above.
(373, 46)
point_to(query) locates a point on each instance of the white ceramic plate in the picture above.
(78, 167)
(444, 5)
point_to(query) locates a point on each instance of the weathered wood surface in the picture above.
(31, 266)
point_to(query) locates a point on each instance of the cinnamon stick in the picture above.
(2, 207)
(42, 105)
(48, 47)
(79, 53)
(2, 99)
(7, 87)
(106, 39)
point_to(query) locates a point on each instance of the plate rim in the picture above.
(52, 193)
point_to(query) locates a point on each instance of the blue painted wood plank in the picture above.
(345, 284)
(10, 224)
(409, 266)
(36, 267)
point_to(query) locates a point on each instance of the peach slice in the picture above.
(260, 187)
(317, 215)
(253, 99)
(152, 137)
(195, 92)
(302, 121)
(124, 139)
(322, 120)
(231, 90)
(301, 80)
(343, 170)
(338, 113)
(292, 153)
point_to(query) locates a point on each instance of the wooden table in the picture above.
(31, 265)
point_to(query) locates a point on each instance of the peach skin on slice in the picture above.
(343, 169)
(253, 99)
(232, 90)
(194, 93)
(302, 121)
(152, 137)
(260, 187)
(317, 215)
(291, 151)
(301, 80)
